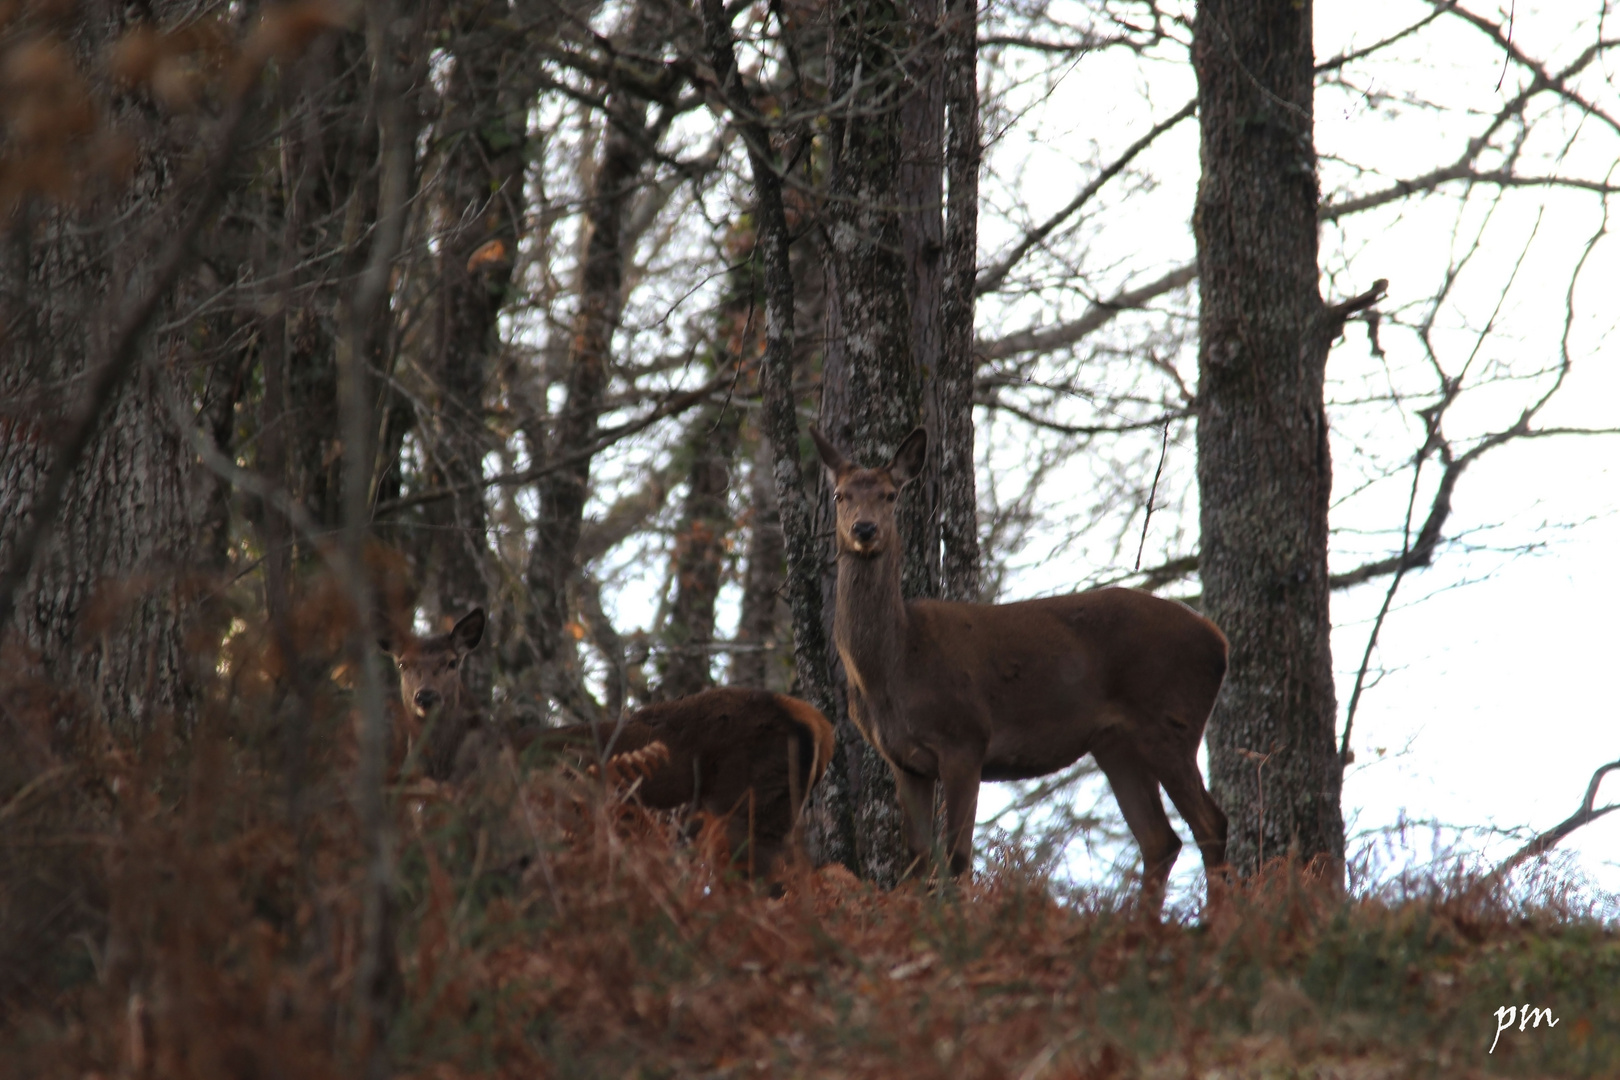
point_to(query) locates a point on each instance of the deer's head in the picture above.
(865, 498)
(430, 667)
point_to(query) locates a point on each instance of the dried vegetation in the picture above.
(191, 908)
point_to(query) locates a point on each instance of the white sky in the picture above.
(1497, 701)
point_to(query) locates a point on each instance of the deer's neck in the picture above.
(870, 625)
(462, 706)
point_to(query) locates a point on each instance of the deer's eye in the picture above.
(891, 496)
(453, 664)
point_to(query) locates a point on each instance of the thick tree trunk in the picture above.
(919, 192)
(881, 265)
(105, 612)
(1264, 476)
(958, 497)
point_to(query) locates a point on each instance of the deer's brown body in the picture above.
(749, 756)
(961, 692)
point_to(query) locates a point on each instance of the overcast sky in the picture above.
(1496, 700)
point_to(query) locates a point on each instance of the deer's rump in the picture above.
(747, 754)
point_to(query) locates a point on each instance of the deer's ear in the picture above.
(830, 457)
(468, 631)
(386, 644)
(908, 460)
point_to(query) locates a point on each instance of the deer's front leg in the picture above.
(917, 809)
(959, 776)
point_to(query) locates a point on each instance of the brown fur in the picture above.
(431, 689)
(961, 693)
(729, 754)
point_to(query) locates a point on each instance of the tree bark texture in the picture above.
(804, 553)
(759, 660)
(701, 541)
(563, 492)
(883, 245)
(958, 496)
(1264, 474)
(483, 133)
(114, 588)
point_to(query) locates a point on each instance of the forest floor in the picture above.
(548, 929)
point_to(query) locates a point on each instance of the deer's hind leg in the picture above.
(1136, 789)
(1185, 786)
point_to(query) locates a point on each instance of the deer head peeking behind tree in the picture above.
(961, 693)
(432, 690)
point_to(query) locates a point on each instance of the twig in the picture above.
(1259, 760)
(671, 406)
(1336, 314)
(993, 276)
(1549, 839)
(1164, 446)
(1345, 757)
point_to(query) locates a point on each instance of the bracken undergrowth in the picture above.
(190, 907)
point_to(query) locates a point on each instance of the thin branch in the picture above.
(992, 276)
(1100, 314)
(672, 406)
(1546, 841)
(1345, 757)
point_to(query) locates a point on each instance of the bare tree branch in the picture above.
(1546, 841)
(1100, 314)
(992, 276)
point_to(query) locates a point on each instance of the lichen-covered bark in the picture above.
(113, 591)
(874, 384)
(1264, 475)
(958, 498)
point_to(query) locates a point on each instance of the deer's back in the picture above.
(1037, 680)
(729, 739)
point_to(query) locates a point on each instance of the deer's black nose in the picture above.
(865, 531)
(426, 699)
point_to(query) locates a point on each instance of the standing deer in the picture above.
(962, 693)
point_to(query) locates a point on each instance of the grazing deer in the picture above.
(961, 693)
(749, 756)
(431, 689)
